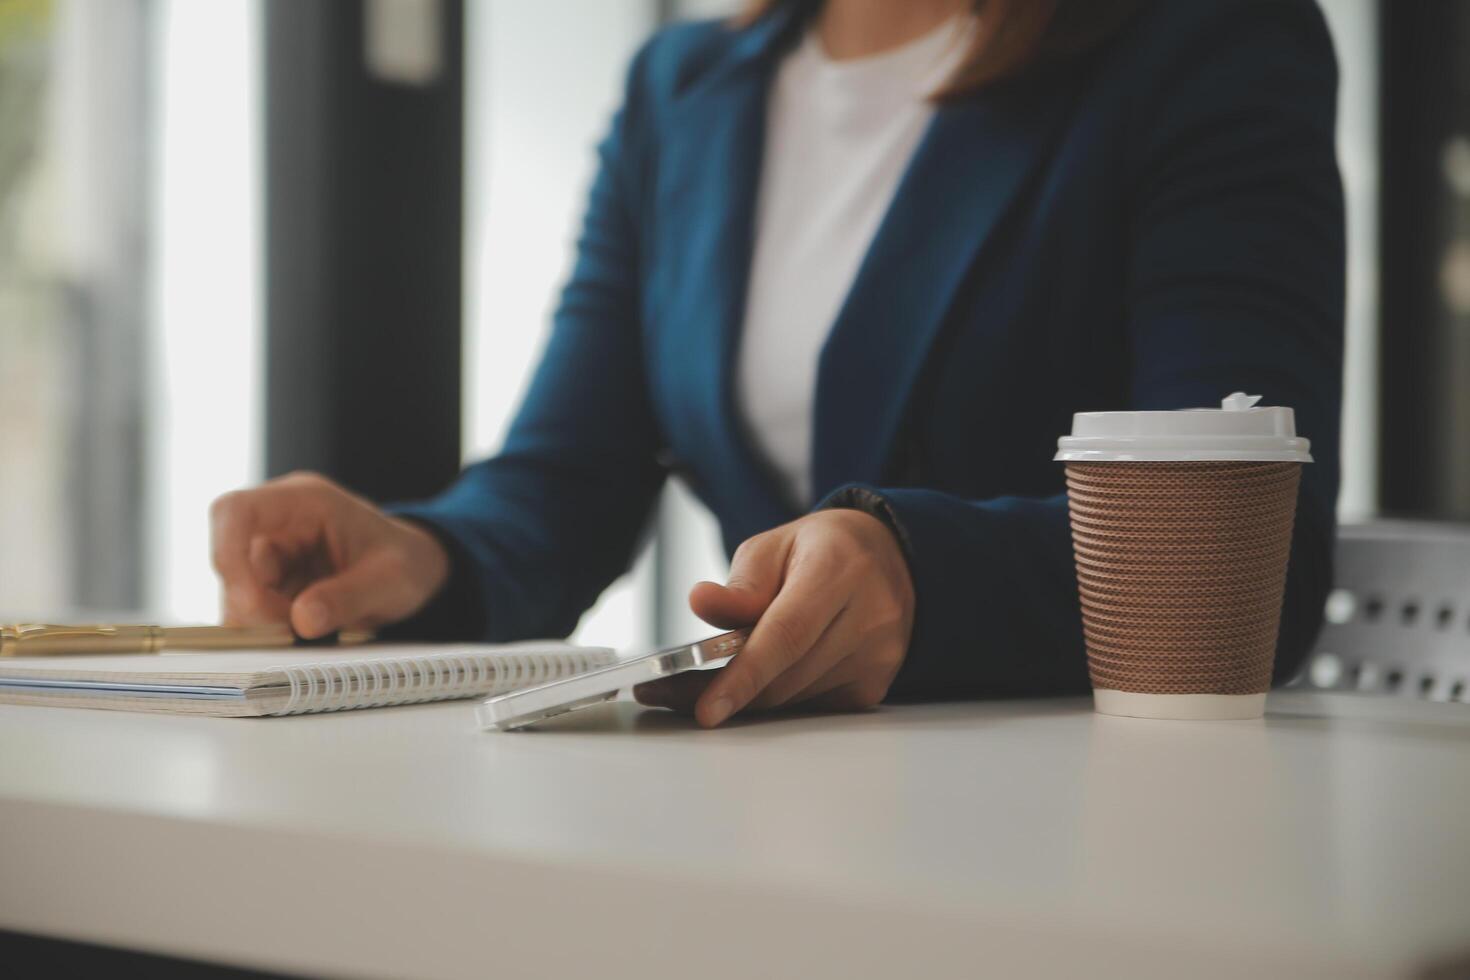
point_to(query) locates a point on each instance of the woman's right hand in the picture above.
(303, 550)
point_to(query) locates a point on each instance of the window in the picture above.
(127, 299)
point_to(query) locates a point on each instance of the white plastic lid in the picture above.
(1237, 430)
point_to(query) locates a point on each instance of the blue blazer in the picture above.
(1152, 226)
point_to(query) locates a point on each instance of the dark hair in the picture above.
(1015, 37)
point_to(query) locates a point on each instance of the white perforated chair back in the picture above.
(1398, 620)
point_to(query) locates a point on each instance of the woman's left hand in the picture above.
(833, 605)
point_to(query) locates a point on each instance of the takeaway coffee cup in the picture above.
(1181, 527)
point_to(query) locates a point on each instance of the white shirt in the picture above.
(839, 135)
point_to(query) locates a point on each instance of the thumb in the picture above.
(755, 578)
(361, 595)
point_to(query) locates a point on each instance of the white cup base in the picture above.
(1195, 707)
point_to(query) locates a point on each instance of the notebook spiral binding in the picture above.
(317, 687)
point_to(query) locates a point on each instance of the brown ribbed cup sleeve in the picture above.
(1180, 570)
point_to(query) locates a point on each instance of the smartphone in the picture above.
(518, 709)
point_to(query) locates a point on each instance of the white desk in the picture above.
(956, 840)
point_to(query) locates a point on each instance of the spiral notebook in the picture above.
(289, 681)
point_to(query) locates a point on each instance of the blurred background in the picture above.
(248, 236)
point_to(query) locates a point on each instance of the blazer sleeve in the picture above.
(538, 531)
(1236, 284)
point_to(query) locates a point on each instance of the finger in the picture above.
(788, 629)
(265, 597)
(727, 607)
(231, 527)
(266, 562)
(755, 577)
(865, 676)
(364, 595)
(823, 662)
(248, 605)
(283, 511)
(679, 692)
(302, 568)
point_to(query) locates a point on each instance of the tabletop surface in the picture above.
(1336, 828)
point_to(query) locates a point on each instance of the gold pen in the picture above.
(50, 640)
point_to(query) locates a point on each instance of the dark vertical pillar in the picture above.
(363, 252)
(1425, 220)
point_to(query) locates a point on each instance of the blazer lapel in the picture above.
(707, 187)
(970, 166)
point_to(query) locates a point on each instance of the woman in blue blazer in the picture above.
(1115, 205)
